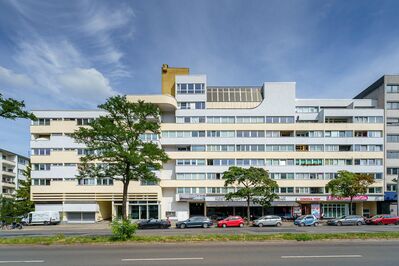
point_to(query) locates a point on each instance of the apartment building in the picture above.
(385, 91)
(12, 168)
(303, 143)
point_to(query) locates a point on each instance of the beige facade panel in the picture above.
(55, 127)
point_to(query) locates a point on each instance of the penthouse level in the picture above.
(303, 143)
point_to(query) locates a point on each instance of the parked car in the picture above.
(195, 221)
(268, 220)
(383, 219)
(347, 220)
(42, 217)
(154, 223)
(232, 221)
(307, 220)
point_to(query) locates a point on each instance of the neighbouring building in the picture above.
(303, 143)
(12, 168)
(385, 91)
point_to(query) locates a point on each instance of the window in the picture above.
(227, 162)
(250, 134)
(338, 134)
(190, 162)
(250, 147)
(41, 167)
(392, 121)
(338, 162)
(250, 162)
(197, 88)
(309, 134)
(41, 151)
(306, 176)
(286, 190)
(375, 190)
(392, 88)
(250, 119)
(41, 122)
(393, 154)
(282, 176)
(226, 148)
(392, 105)
(190, 119)
(84, 121)
(392, 138)
(148, 137)
(279, 162)
(214, 176)
(190, 176)
(302, 190)
(220, 119)
(372, 148)
(309, 162)
(191, 190)
(368, 161)
(283, 148)
(40, 182)
(234, 94)
(280, 119)
(392, 171)
(199, 105)
(220, 134)
(391, 187)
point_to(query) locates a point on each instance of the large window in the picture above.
(393, 154)
(280, 119)
(250, 119)
(333, 210)
(141, 210)
(234, 94)
(196, 88)
(392, 89)
(392, 121)
(392, 105)
(220, 134)
(190, 119)
(220, 119)
(392, 138)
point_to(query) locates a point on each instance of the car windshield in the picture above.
(342, 217)
(302, 217)
(376, 216)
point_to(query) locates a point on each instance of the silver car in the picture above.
(268, 220)
(347, 220)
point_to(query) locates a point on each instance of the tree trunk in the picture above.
(124, 201)
(248, 210)
(350, 206)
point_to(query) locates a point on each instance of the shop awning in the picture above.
(244, 204)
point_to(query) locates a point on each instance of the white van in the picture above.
(42, 217)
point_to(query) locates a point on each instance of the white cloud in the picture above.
(87, 83)
(12, 79)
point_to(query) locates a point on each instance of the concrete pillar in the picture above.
(113, 210)
(359, 208)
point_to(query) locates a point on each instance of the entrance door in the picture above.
(197, 208)
(306, 209)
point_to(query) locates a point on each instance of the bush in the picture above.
(123, 229)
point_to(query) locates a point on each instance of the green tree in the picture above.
(349, 185)
(254, 185)
(12, 109)
(7, 209)
(115, 140)
(23, 203)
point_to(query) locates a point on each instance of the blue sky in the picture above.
(75, 54)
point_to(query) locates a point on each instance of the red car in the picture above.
(383, 219)
(232, 221)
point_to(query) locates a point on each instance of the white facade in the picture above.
(12, 167)
(303, 143)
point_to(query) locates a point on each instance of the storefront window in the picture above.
(333, 210)
(141, 210)
(153, 211)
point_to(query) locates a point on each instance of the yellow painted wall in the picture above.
(105, 210)
(168, 78)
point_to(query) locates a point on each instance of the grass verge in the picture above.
(66, 240)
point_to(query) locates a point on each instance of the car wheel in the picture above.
(46, 223)
(339, 223)
(205, 225)
(380, 223)
(301, 224)
(278, 224)
(224, 225)
(182, 226)
(241, 225)
(397, 223)
(260, 225)
(316, 224)
(359, 223)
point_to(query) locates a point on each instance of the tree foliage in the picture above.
(254, 185)
(349, 185)
(22, 197)
(12, 109)
(115, 140)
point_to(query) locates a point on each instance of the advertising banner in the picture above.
(316, 210)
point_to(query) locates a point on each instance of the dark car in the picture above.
(154, 223)
(195, 221)
(347, 220)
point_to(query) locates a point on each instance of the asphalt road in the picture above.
(95, 229)
(351, 253)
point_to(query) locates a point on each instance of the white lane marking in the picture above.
(162, 259)
(322, 256)
(21, 261)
